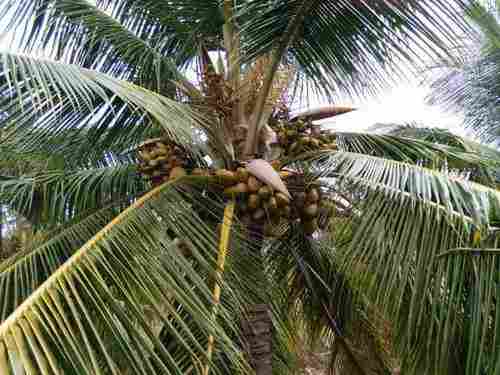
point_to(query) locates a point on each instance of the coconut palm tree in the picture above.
(467, 84)
(190, 222)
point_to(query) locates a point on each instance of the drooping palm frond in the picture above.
(36, 264)
(80, 33)
(466, 198)
(320, 297)
(88, 316)
(484, 174)
(400, 256)
(394, 256)
(55, 196)
(347, 45)
(404, 147)
(32, 89)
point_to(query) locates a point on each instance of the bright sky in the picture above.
(400, 104)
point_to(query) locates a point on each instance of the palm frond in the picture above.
(41, 86)
(37, 263)
(393, 255)
(348, 45)
(414, 149)
(333, 314)
(90, 311)
(474, 201)
(470, 85)
(78, 32)
(488, 157)
(55, 196)
(177, 28)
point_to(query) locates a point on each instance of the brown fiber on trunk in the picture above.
(258, 335)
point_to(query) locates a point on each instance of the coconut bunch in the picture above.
(259, 202)
(307, 203)
(301, 136)
(161, 160)
(264, 202)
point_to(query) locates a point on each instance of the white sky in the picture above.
(402, 103)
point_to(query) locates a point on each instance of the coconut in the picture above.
(227, 178)
(315, 143)
(286, 211)
(281, 199)
(299, 199)
(265, 192)
(242, 174)
(177, 172)
(272, 204)
(239, 188)
(253, 201)
(259, 214)
(311, 211)
(313, 195)
(253, 184)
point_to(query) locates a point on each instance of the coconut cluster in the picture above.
(261, 204)
(258, 202)
(162, 160)
(301, 136)
(307, 207)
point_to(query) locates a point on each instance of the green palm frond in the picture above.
(393, 255)
(55, 196)
(89, 312)
(475, 201)
(333, 314)
(24, 272)
(82, 34)
(483, 173)
(177, 28)
(412, 149)
(347, 46)
(41, 86)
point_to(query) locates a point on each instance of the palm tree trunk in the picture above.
(257, 328)
(1, 231)
(258, 335)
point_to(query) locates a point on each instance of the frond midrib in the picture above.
(4, 327)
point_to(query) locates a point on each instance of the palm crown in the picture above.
(150, 257)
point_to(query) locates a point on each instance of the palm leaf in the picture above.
(95, 299)
(36, 264)
(483, 174)
(42, 85)
(57, 195)
(414, 149)
(393, 255)
(465, 198)
(82, 34)
(469, 85)
(347, 46)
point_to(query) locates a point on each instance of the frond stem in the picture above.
(288, 38)
(471, 251)
(227, 223)
(4, 327)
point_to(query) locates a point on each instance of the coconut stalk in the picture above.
(287, 39)
(227, 223)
